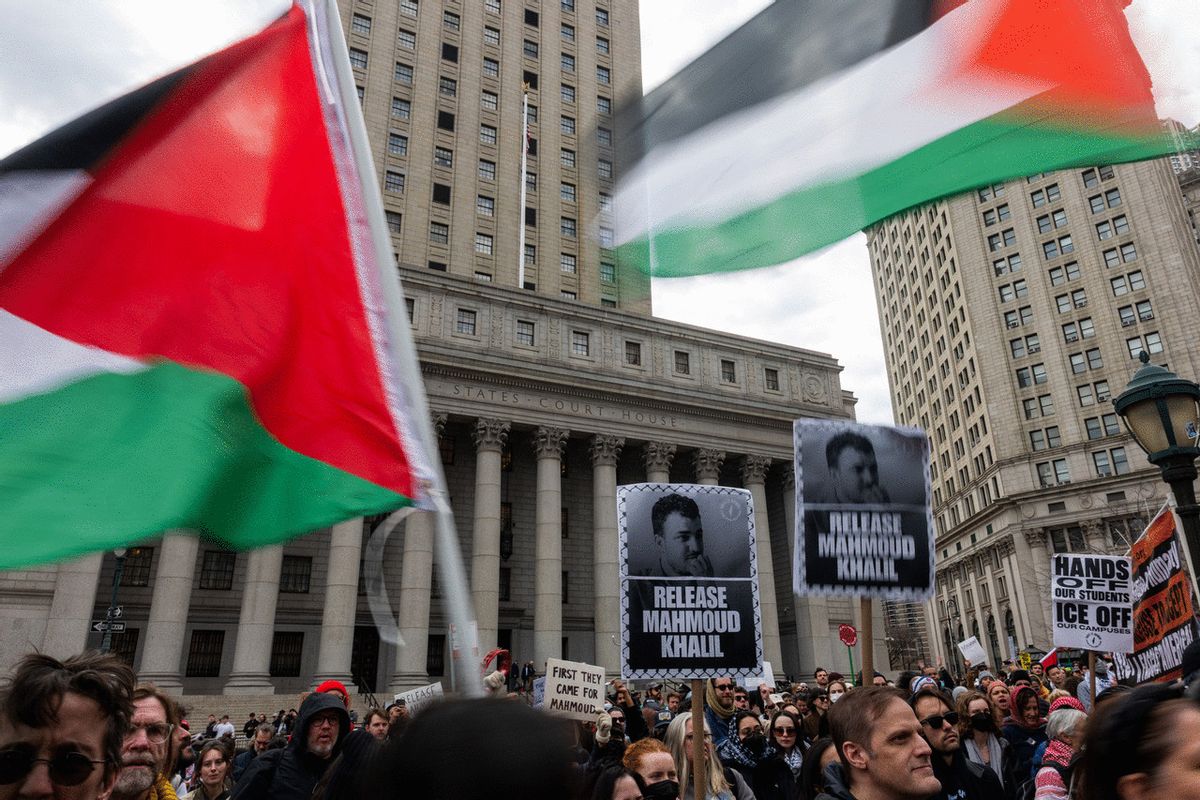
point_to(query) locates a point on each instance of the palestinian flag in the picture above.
(194, 330)
(1050, 659)
(819, 118)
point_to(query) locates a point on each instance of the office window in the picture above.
(216, 571)
(531, 181)
(568, 295)
(568, 5)
(491, 36)
(295, 575)
(397, 144)
(485, 206)
(1102, 464)
(358, 58)
(1039, 373)
(1037, 440)
(566, 227)
(566, 157)
(465, 322)
(1119, 461)
(483, 244)
(1136, 281)
(771, 379)
(439, 233)
(441, 194)
(487, 170)
(567, 93)
(608, 272)
(451, 21)
(606, 202)
(567, 263)
(568, 32)
(137, 566)
(530, 49)
(602, 45)
(566, 191)
(605, 169)
(633, 354)
(404, 74)
(603, 104)
(445, 121)
(487, 134)
(989, 192)
(409, 7)
(566, 125)
(287, 647)
(604, 137)
(525, 332)
(530, 254)
(360, 25)
(567, 62)
(489, 101)
(443, 157)
(447, 87)
(606, 236)
(450, 52)
(604, 75)
(531, 17)
(683, 364)
(204, 654)
(406, 39)
(728, 371)
(401, 108)
(581, 343)
(394, 221)
(491, 68)
(435, 652)
(601, 16)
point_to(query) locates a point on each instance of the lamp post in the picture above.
(951, 616)
(106, 641)
(1161, 411)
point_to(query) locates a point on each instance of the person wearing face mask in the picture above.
(778, 776)
(979, 727)
(1104, 681)
(837, 689)
(651, 760)
(960, 778)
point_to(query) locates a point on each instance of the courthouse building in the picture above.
(1011, 316)
(549, 381)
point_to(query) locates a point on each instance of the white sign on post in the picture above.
(972, 651)
(417, 699)
(539, 691)
(1093, 603)
(574, 689)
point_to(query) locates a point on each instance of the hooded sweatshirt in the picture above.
(293, 772)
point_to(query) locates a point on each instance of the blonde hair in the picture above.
(681, 753)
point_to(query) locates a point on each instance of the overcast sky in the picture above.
(58, 59)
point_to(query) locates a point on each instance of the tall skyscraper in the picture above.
(1010, 317)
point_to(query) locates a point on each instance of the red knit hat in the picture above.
(1067, 702)
(335, 686)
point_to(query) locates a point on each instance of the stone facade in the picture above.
(1011, 316)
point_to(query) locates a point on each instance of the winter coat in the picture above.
(293, 772)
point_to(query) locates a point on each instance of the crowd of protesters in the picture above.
(84, 728)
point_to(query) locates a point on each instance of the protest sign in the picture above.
(864, 526)
(417, 699)
(1093, 608)
(767, 679)
(539, 691)
(689, 582)
(1164, 621)
(972, 651)
(573, 689)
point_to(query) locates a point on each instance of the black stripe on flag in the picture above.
(789, 45)
(85, 141)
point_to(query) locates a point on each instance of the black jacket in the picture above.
(963, 779)
(772, 779)
(293, 772)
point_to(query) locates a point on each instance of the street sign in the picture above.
(848, 635)
(104, 625)
(117, 611)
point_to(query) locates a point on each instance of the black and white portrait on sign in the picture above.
(689, 592)
(863, 519)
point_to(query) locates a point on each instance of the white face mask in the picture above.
(835, 696)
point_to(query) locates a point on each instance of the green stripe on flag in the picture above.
(813, 217)
(113, 459)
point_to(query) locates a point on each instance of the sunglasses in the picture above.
(723, 687)
(66, 769)
(784, 731)
(937, 720)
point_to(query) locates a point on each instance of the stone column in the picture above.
(169, 603)
(549, 444)
(1033, 561)
(606, 452)
(997, 610)
(341, 603)
(72, 606)
(490, 436)
(754, 478)
(658, 457)
(708, 466)
(416, 586)
(251, 673)
(813, 639)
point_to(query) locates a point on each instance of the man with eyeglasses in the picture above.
(147, 748)
(61, 724)
(961, 778)
(293, 772)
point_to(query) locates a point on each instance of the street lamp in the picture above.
(1161, 411)
(110, 617)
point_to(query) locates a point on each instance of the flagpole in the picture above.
(524, 189)
(450, 564)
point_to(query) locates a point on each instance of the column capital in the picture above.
(754, 469)
(439, 422)
(789, 477)
(1035, 537)
(550, 442)
(605, 449)
(708, 463)
(491, 433)
(658, 456)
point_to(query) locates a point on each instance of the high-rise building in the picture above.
(548, 390)
(1010, 317)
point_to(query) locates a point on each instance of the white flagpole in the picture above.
(453, 577)
(524, 177)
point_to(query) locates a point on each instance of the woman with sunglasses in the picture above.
(213, 764)
(778, 775)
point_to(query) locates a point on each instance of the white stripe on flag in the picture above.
(30, 200)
